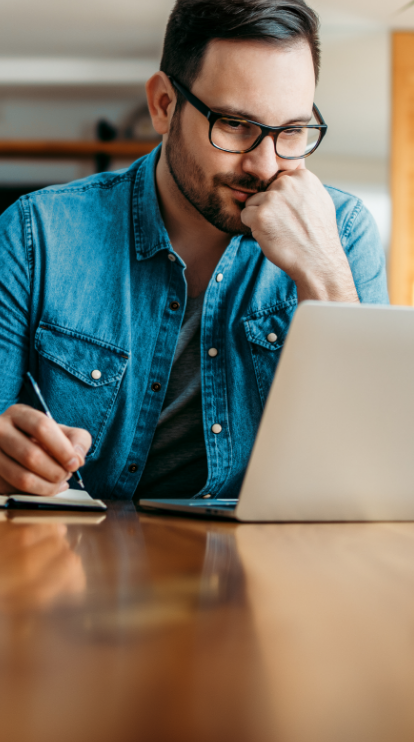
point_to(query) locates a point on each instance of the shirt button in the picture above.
(219, 277)
(216, 428)
(133, 468)
(174, 306)
(156, 387)
(205, 497)
(272, 337)
(213, 352)
(171, 257)
(96, 374)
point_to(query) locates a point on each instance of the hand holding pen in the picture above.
(38, 455)
(39, 396)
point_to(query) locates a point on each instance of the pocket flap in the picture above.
(81, 355)
(268, 328)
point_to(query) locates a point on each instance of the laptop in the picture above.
(336, 439)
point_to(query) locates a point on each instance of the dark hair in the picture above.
(193, 24)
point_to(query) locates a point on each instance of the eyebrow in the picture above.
(230, 111)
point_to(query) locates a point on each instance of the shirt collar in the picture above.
(149, 228)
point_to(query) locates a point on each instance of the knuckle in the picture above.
(12, 410)
(25, 481)
(56, 477)
(31, 458)
(85, 438)
(41, 427)
(5, 422)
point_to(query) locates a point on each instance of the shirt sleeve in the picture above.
(362, 244)
(14, 305)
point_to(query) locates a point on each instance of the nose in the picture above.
(262, 161)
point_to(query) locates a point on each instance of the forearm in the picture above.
(337, 285)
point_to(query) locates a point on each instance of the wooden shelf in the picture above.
(74, 150)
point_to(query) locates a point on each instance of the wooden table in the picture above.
(164, 629)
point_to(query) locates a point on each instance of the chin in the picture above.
(231, 224)
(233, 218)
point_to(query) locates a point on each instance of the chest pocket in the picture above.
(80, 378)
(266, 332)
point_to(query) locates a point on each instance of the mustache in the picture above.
(247, 182)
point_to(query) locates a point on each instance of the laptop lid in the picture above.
(336, 441)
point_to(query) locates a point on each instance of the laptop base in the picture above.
(212, 508)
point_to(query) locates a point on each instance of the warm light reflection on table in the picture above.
(155, 628)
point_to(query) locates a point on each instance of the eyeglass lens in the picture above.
(237, 135)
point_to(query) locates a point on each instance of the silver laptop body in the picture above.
(336, 440)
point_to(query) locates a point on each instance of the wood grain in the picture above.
(168, 629)
(401, 266)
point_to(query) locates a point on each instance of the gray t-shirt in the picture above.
(177, 461)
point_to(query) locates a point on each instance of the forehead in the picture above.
(276, 83)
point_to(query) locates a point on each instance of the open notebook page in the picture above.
(68, 499)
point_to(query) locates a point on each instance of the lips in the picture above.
(241, 195)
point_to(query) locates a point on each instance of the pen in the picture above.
(33, 387)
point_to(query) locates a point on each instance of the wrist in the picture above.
(326, 288)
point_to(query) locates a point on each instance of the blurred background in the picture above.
(73, 74)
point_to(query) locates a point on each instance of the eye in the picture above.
(293, 132)
(235, 124)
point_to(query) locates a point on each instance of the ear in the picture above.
(161, 99)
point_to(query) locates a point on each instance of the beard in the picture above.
(206, 198)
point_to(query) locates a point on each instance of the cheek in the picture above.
(211, 160)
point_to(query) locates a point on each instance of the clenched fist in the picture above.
(294, 222)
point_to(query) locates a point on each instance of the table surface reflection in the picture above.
(143, 627)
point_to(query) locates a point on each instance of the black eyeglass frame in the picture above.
(273, 131)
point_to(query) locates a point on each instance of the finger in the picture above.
(301, 165)
(26, 451)
(256, 199)
(283, 174)
(47, 432)
(81, 441)
(19, 479)
(248, 215)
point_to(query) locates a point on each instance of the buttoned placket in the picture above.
(217, 432)
(170, 324)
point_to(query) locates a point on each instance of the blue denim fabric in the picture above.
(86, 284)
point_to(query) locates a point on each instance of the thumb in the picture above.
(80, 439)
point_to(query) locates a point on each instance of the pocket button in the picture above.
(96, 374)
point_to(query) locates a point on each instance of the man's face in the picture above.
(271, 85)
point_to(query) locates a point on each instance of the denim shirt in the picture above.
(92, 297)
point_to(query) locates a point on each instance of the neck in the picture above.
(193, 238)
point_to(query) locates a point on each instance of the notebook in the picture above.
(68, 500)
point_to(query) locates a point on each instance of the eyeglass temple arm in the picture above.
(198, 104)
(319, 115)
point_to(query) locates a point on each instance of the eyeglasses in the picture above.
(240, 135)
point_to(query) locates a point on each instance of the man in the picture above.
(152, 304)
